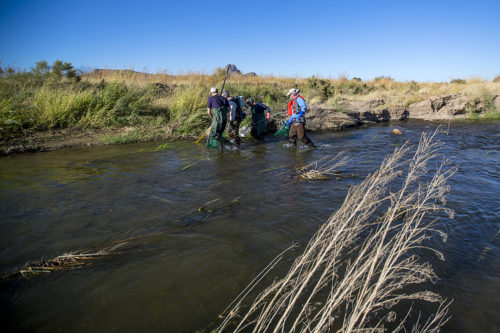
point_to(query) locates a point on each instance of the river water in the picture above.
(186, 265)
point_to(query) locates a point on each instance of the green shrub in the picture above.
(321, 88)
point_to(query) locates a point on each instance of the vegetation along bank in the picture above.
(55, 106)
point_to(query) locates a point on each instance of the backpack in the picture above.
(240, 102)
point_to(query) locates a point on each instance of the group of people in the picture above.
(223, 109)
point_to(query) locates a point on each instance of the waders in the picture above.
(219, 119)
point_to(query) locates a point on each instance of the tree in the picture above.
(41, 67)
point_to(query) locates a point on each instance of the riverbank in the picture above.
(319, 118)
(51, 107)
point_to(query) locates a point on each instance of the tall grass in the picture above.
(50, 97)
(366, 259)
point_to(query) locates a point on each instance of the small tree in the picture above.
(41, 67)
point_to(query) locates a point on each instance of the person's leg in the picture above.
(292, 134)
(213, 140)
(236, 129)
(301, 133)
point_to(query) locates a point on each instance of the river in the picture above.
(186, 265)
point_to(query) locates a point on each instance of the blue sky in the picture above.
(407, 40)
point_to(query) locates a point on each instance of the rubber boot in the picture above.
(311, 145)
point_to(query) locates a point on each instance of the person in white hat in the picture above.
(297, 108)
(217, 111)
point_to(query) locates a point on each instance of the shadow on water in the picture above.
(196, 261)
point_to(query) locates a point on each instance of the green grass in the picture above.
(55, 97)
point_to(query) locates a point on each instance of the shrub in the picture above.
(320, 88)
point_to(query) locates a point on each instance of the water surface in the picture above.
(192, 263)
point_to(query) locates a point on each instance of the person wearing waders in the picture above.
(259, 117)
(297, 123)
(234, 118)
(217, 110)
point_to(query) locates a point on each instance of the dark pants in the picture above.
(233, 131)
(298, 130)
(258, 125)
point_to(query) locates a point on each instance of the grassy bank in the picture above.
(56, 97)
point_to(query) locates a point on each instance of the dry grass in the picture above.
(66, 261)
(354, 271)
(324, 168)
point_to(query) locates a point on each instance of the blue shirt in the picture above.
(302, 105)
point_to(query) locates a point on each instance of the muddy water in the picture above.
(192, 263)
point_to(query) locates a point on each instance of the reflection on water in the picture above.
(195, 262)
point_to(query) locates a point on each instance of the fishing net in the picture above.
(283, 130)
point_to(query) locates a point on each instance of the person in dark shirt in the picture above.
(260, 113)
(217, 110)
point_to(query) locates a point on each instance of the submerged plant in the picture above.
(363, 260)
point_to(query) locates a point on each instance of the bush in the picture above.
(458, 81)
(319, 88)
(497, 79)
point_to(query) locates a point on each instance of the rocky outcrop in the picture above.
(354, 113)
(348, 114)
(232, 70)
(440, 107)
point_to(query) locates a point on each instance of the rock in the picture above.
(420, 110)
(397, 132)
(232, 69)
(497, 102)
(454, 105)
(252, 74)
(439, 107)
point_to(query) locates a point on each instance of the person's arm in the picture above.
(209, 109)
(268, 113)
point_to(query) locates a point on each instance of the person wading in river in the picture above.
(297, 110)
(234, 116)
(259, 117)
(217, 110)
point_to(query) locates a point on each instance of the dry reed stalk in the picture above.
(76, 259)
(323, 168)
(66, 261)
(353, 271)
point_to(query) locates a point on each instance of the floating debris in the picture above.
(397, 132)
(66, 261)
(323, 169)
(216, 204)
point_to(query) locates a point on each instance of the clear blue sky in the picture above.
(408, 40)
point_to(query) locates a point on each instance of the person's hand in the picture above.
(268, 115)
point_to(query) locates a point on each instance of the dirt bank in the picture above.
(73, 138)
